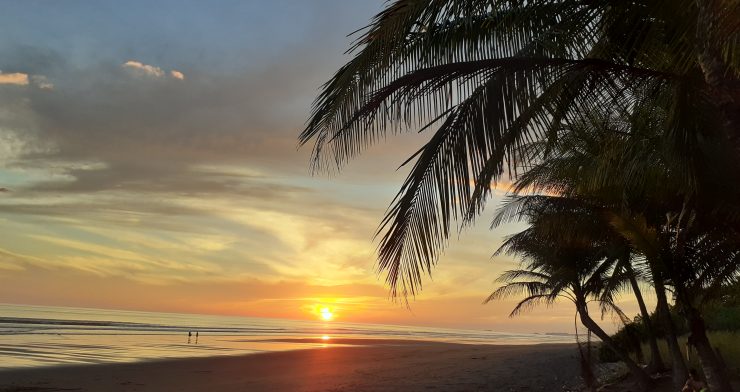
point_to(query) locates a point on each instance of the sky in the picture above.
(149, 161)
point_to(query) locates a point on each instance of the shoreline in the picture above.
(377, 365)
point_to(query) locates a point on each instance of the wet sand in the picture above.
(406, 366)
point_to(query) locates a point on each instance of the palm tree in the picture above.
(500, 82)
(710, 261)
(700, 259)
(558, 268)
(490, 75)
(663, 226)
(618, 164)
(585, 219)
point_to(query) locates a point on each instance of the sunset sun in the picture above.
(326, 314)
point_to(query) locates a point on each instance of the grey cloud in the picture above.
(151, 136)
(144, 179)
(151, 133)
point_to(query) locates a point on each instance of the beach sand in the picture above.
(406, 366)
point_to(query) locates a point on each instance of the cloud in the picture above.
(205, 157)
(24, 79)
(151, 70)
(42, 82)
(143, 69)
(16, 78)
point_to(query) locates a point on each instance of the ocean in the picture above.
(33, 336)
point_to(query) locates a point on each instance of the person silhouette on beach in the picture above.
(190, 335)
(694, 383)
(196, 337)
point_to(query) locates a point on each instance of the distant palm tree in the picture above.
(587, 220)
(556, 268)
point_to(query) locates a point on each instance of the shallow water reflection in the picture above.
(42, 336)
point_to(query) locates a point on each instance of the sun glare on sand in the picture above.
(326, 314)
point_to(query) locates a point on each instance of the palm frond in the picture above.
(531, 302)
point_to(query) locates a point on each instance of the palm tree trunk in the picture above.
(642, 377)
(656, 361)
(716, 378)
(679, 370)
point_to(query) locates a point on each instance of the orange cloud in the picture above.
(151, 70)
(16, 78)
(143, 69)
